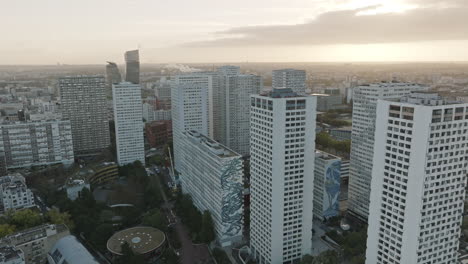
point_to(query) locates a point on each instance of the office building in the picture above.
(128, 118)
(327, 102)
(212, 175)
(234, 110)
(83, 102)
(158, 133)
(68, 250)
(229, 70)
(36, 143)
(132, 61)
(362, 139)
(14, 194)
(327, 180)
(282, 147)
(150, 113)
(290, 78)
(163, 90)
(341, 133)
(11, 255)
(419, 180)
(112, 74)
(36, 242)
(190, 97)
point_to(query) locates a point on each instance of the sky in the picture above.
(188, 31)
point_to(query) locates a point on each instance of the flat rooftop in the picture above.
(141, 239)
(222, 150)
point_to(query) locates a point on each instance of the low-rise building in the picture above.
(212, 174)
(326, 185)
(14, 194)
(74, 187)
(36, 242)
(158, 133)
(68, 250)
(341, 133)
(11, 255)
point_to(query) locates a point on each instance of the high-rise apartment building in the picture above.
(190, 97)
(290, 78)
(362, 139)
(327, 179)
(282, 147)
(212, 175)
(36, 143)
(419, 180)
(83, 102)
(128, 117)
(112, 74)
(234, 110)
(132, 71)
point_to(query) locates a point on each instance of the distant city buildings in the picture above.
(150, 113)
(132, 61)
(212, 174)
(327, 180)
(26, 144)
(327, 102)
(158, 133)
(362, 139)
(112, 74)
(14, 194)
(290, 78)
(83, 102)
(281, 175)
(419, 180)
(128, 118)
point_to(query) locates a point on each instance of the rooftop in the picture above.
(427, 98)
(280, 93)
(141, 239)
(9, 252)
(217, 148)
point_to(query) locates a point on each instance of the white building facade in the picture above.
(290, 78)
(419, 180)
(36, 143)
(282, 140)
(362, 139)
(14, 194)
(128, 119)
(212, 175)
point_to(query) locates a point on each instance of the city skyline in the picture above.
(206, 31)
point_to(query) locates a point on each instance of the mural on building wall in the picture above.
(332, 189)
(231, 181)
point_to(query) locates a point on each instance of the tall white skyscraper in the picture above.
(282, 140)
(362, 139)
(191, 106)
(212, 175)
(83, 102)
(128, 117)
(234, 110)
(419, 180)
(290, 78)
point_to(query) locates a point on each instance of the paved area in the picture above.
(318, 245)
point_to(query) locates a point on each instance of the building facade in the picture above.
(128, 118)
(212, 175)
(112, 75)
(419, 180)
(234, 110)
(327, 181)
(83, 102)
(158, 133)
(11, 255)
(362, 139)
(290, 78)
(14, 194)
(132, 70)
(37, 143)
(282, 140)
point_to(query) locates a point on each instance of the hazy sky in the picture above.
(93, 31)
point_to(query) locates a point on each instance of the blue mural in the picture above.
(332, 189)
(231, 182)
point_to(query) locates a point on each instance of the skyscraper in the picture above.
(132, 60)
(362, 139)
(112, 74)
(282, 146)
(128, 116)
(232, 106)
(419, 180)
(327, 179)
(83, 102)
(290, 78)
(190, 108)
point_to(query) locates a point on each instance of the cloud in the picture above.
(425, 23)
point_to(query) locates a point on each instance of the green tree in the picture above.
(25, 219)
(101, 234)
(207, 233)
(307, 259)
(155, 219)
(55, 217)
(169, 257)
(6, 229)
(327, 257)
(221, 256)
